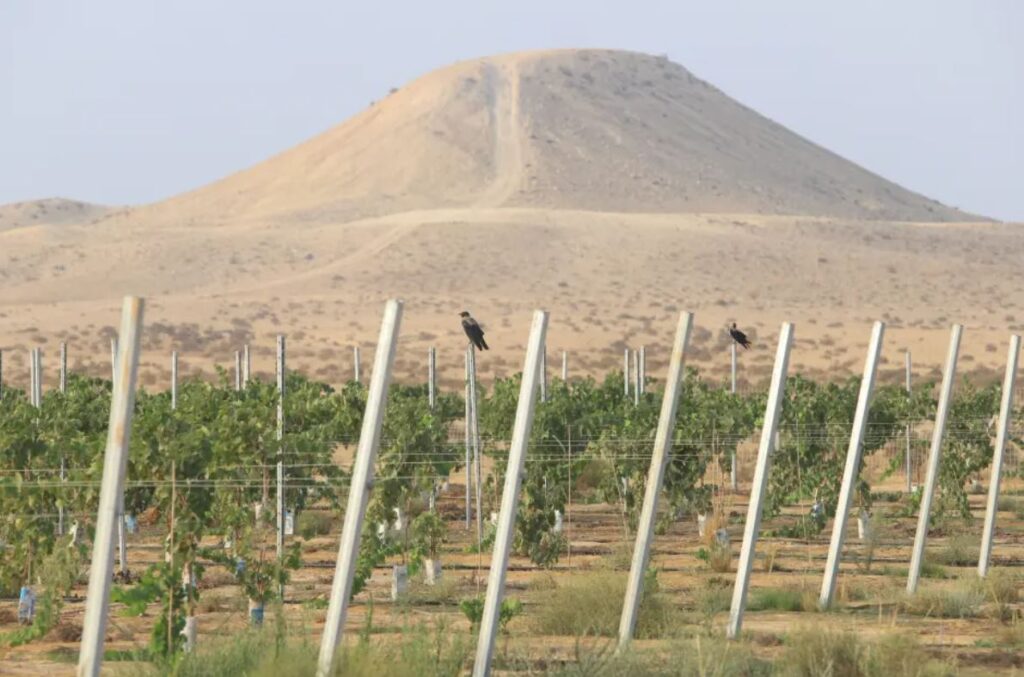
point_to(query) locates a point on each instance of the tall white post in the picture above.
(760, 482)
(655, 475)
(565, 366)
(853, 456)
(63, 463)
(238, 371)
(63, 367)
(246, 365)
(544, 375)
(432, 376)
(355, 365)
(280, 449)
(643, 369)
(32, 377)
(510, 495)
(469, 443)
(907, 459)
(359, 490)
(174, 379)
(1005, 413)
(625, 371)
(474, 418)
(637, 388)
(945, 398)
(733, 471)
(94, 626)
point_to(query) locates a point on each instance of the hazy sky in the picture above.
(129, 101)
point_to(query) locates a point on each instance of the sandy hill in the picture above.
(573, 129)
(47, 212)
(612, 188)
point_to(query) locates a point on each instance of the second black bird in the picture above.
(473, 331)
(738, 336)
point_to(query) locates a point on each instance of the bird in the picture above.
(738, 336)
(473, 331)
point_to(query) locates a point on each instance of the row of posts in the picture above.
(125, 372)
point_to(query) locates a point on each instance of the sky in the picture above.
(132, 101)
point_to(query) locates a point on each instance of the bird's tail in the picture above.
(483, 344)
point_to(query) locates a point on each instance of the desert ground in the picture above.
(614, 190)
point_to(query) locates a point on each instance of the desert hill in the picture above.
(571, 129)
(612, 188)
(47, 212)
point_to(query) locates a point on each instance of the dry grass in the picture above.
(591, 604)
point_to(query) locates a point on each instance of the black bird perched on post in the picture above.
(738, 336)
(473, 331)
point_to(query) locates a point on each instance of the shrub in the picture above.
(782, 599)
(313, 523)
(959, 551)
(812, 652)
(963, 601)
(591, 604)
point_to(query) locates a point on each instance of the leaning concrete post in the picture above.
(280, 448)
(544, 375)
(113, 359)
(945, 397)
(63, 367)
(174, 379)
(853, 457)
(625, 371)
(760, 482)
(643, 370)
(469, 445)
(1005, 412)
(94, 626)
(238, 371)
(359, 490)
(510, 495)
(907, 459)
(432, 377)
(474, 418)
(655, 475)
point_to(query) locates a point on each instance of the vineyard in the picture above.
(236, 490)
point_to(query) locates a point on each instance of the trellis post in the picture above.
(1005, 413)
(510, 495)
(94, 626)
(280, 447)
(934, 457)
(853, 456)
(655, 475)
(359, 489)
(760, 482)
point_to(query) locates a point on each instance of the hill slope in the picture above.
(572, 129)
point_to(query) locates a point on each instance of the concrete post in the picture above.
(907, 459)
(760, 482)
(510, 495)
(359, 490)
(238, 371)
(625, 371)
(853, 457)
(474, 418)
(355, 365)
(469, 443)
(280, 449)
(565, 367)
(246, 365)
(94, 626)
(1005, 413)
(174, 379)
(432, 376)
(945, 397)
(544, 375)
(655, 475)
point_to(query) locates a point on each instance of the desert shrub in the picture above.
(782, 599)
(959, 551)
(313, 523)
(591, 604)
(961, 601)
(812, 652)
